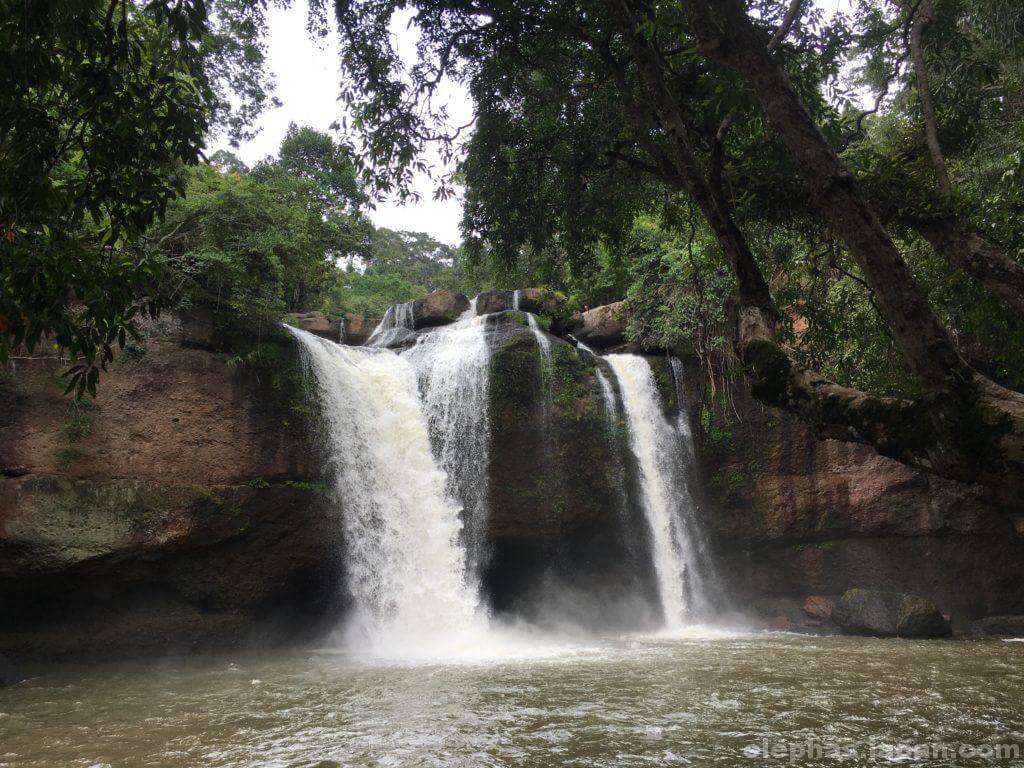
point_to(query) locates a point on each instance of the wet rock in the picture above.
(792, 515)
(888, 614)
(191, 513)
(919, 618)
(999, 626)
(316, 323)
(603, 326)
(490, 302)
(439, 308)
(540, 301)
(396, 339)
(818, 607)
(358, 328)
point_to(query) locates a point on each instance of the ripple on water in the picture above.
(693, 698)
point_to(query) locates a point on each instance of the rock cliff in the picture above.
(793, 516)
(181, 507)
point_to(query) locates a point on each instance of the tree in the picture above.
(102, 103)
(574, 101)
(265, 242)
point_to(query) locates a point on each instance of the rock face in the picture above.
(439, 308)
(317, 323)
(358, 328)
(9, 674)
(489, 302)
(888, 614)
(181, 508)
(556, 478)
(603, 326)
(999, 626)
(793, 516)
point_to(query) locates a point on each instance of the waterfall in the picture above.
(406, 569)
(662, 455)
(611, 409)
(543, 342)
(398, 318)
(453, 368)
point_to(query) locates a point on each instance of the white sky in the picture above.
(307, 73)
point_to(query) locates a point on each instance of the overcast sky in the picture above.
(307, 84)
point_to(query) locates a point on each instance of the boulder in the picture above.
(541, 301)
(888, 614)
(603, 326)
(489, 302)
(357, 328)
(919, 618)
(818, 607)
(315, 322)
(439, 308)
(396, 338)
(998, 626)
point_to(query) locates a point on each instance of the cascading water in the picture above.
(611, 409)
(398, 320)
(452, 364)
(406, 568)
(661, 453)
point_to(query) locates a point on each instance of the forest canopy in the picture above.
(829, 205)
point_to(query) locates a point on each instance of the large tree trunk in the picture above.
(979, 257)
(976, 428)
(897, 428)
(726, 36)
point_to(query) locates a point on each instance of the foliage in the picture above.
(569, 184)
(371, 294)
(265, 242)
(101, 104)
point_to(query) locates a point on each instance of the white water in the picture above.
(660, 454)
(399, 317)
(611, 409)
(406, 568)
(452, 364)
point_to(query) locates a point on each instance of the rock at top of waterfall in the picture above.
(358, 328)
(438, 308)
(314, 322)
(489, 302)
(603, 326)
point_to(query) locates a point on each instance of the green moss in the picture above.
(769, 370)
(574, 387)
(665, 382)
(66, 456)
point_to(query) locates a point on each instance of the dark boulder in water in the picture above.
(888, 614)
(999, 626)
(439, 308)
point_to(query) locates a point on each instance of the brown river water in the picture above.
(698, 698)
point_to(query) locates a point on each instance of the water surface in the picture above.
(702, 699)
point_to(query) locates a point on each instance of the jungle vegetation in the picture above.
(828, 205)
